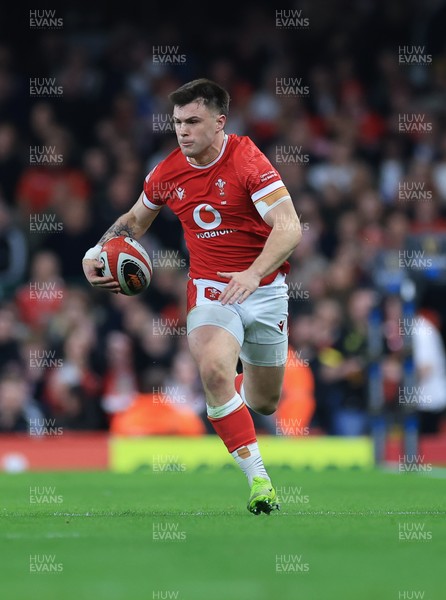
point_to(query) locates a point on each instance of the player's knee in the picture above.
(266, 405)
(214, 375)
(266, 409)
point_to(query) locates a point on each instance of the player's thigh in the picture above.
(213, 344)
(210, 325)
(215, 335)
(216, 352)
(265, 347)
(215, 332)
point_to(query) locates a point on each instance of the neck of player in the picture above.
(211, 151)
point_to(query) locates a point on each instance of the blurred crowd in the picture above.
(325, 101)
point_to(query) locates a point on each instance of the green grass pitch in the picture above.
(341, 534)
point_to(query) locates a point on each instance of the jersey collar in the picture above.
(216, 159)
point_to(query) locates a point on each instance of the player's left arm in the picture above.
(284, 237)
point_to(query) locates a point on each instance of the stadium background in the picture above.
(321, 88)
(102, 504)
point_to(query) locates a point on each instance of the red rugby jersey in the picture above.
(220, 205)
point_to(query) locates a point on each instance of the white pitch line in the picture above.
(368, 513)
(434, 472)
(50, 535)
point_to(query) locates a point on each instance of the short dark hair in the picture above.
(212, 94)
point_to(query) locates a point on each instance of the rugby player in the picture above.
(240, 227)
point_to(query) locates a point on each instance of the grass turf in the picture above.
(187, 535)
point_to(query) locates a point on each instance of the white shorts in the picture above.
(260, 323)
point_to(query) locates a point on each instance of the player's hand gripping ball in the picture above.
(128, 263)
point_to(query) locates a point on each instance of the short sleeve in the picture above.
(152, 191)
(261, 179)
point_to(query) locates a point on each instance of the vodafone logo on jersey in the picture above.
(206, 216)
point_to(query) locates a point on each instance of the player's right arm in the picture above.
(134, 224)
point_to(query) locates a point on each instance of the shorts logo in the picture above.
(212, 218)
(211, 293)
(280, 325)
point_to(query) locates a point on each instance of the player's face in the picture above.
(197, 128)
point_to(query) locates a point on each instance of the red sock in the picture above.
(236, 429)
(238, 382)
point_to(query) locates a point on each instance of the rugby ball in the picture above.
(127, 261)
